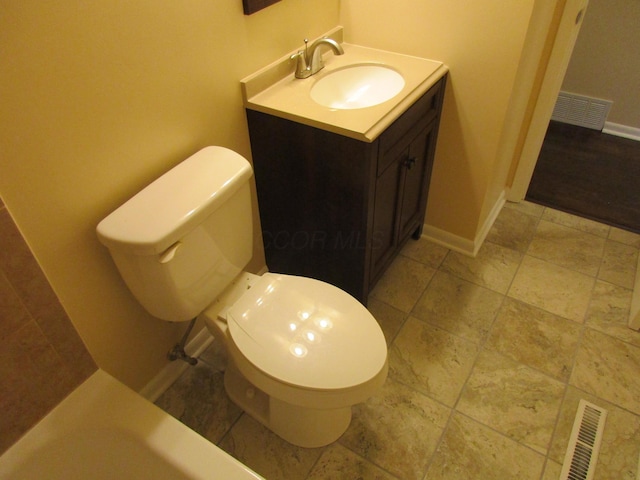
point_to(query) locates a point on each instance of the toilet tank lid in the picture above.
(168, 208)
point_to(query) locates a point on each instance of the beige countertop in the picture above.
(275, 90)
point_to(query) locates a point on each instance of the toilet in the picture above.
(301, 352)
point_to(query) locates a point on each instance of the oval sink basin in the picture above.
(357, 86)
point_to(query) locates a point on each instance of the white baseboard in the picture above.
(461, 244)
(618, 130)
(489, 221)
(448, 240)
(172, 371)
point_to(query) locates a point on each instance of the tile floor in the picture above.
(489, 357)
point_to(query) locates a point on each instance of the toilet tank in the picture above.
(180, 241)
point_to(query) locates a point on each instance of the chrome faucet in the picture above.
(309, 61)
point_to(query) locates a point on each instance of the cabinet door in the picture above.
(385, 213)
(416, 174)
(401, 196)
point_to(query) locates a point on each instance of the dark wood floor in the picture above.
(589, 173)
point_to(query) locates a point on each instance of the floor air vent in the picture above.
(580, 110)
(584, 443)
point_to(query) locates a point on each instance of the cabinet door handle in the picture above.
(410, 162)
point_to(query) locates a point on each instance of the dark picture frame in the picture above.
(253, 6)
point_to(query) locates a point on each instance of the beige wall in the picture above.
(99, 99)
(481, 42)
(605, 62)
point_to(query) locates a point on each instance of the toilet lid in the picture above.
(307, 333)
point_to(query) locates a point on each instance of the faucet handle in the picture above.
(302, 70)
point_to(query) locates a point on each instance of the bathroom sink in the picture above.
(357, 86)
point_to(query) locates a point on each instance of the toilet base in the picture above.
(301, 426)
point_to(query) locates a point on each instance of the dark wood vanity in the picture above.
(339, 209)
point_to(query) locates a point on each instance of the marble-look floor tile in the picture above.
(512, 398)
(619, 264)
(266, 453)
(573, 221)
(620, 447)
(624, 236)
(458, 306)
(513, 229)
(552, 470)
(398, 429)
(608, 367)
(215, 355)
(493, 267)
(424, 251)
(536, 338)
(403, 283)
(390, 319)
(431, 360)
(470, 450)
(199, 401)
(609, 312)
(553, 288)
(567, 247)
(524, 206)
(435, 325)
(338, 462)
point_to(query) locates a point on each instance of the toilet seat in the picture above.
(307, 334)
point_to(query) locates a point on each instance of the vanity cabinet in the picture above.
(339, 209)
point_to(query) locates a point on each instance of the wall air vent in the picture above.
(580, 110)
(584, 444)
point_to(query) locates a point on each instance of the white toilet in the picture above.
(301, 351)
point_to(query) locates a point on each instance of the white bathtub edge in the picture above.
(102, 402)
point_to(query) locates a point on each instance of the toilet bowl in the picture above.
(301, 351)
